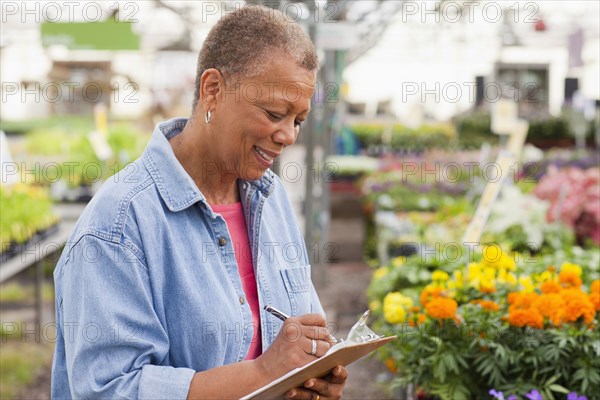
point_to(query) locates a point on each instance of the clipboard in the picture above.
(344, 355)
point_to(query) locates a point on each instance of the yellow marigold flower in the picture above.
(375, 305)
(494, 257)
(380, 273)
(489, 273)
(526, 317)
(511, 279)
(398, 261)
(429, 293)
(473, 272)
(502, 275)
(441, 308)
(550, 287)
(394, 307)
(569, 267)
(487, 286)
(440, 275)
(525, 282)
(569, 278)
(458, 281)
(545, 276)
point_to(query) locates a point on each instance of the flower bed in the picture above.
(480, 322)
(495, 324)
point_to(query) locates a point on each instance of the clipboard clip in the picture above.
(360, 332)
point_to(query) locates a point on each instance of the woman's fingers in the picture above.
(318, 348)
(296, 327)
(338, 375)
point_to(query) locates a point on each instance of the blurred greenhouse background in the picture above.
(435, 124)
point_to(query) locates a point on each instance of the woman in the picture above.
(160, 291)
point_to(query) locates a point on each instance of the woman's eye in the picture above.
(298, 123)
(274, 116)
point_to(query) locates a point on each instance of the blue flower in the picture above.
(575, 396)
(498, 395)
(534, 395)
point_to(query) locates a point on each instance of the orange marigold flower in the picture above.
(521, 301)
(569, 279)
(579, 306)
(550, 287)
(415, 309)
(513, 297)
(429, 293)
(391, 365)
(489, 305)
(419, 319)
(551, 268)
(548, 305)
(595, 287)
(441, 308)
(595, 300)
(526, 317)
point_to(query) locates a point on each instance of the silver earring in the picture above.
(208, 117)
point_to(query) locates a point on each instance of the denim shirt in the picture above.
(147, 287)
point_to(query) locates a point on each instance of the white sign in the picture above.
(506, 159)
(100, 145)
(504, 116)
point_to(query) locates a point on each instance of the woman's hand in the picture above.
(329, 387)
(293, 347)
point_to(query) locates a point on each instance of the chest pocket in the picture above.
(298, 284)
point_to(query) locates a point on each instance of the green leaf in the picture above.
(558, 388)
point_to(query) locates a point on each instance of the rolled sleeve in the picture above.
(161, 382)
(115, 344)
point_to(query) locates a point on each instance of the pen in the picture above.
(276, 312)
(282, 316)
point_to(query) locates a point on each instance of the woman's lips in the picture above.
(265, 157)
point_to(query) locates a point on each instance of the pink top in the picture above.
(236, 223)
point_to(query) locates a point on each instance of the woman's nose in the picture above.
(287, 135)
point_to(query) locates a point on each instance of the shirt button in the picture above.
(242, 300)
(222, 241)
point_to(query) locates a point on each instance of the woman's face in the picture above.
(256, 118)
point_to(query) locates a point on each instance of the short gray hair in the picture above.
(241, 43)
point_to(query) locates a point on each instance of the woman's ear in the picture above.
(211, 82)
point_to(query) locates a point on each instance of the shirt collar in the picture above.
(175, 186)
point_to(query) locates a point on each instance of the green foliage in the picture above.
(474, 129)
(12, 293)
(74, 155)
(20, 363)
(404, 139)
(26, 210)
(552, 128)
(68, 123)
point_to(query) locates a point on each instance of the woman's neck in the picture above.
(201, 162)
